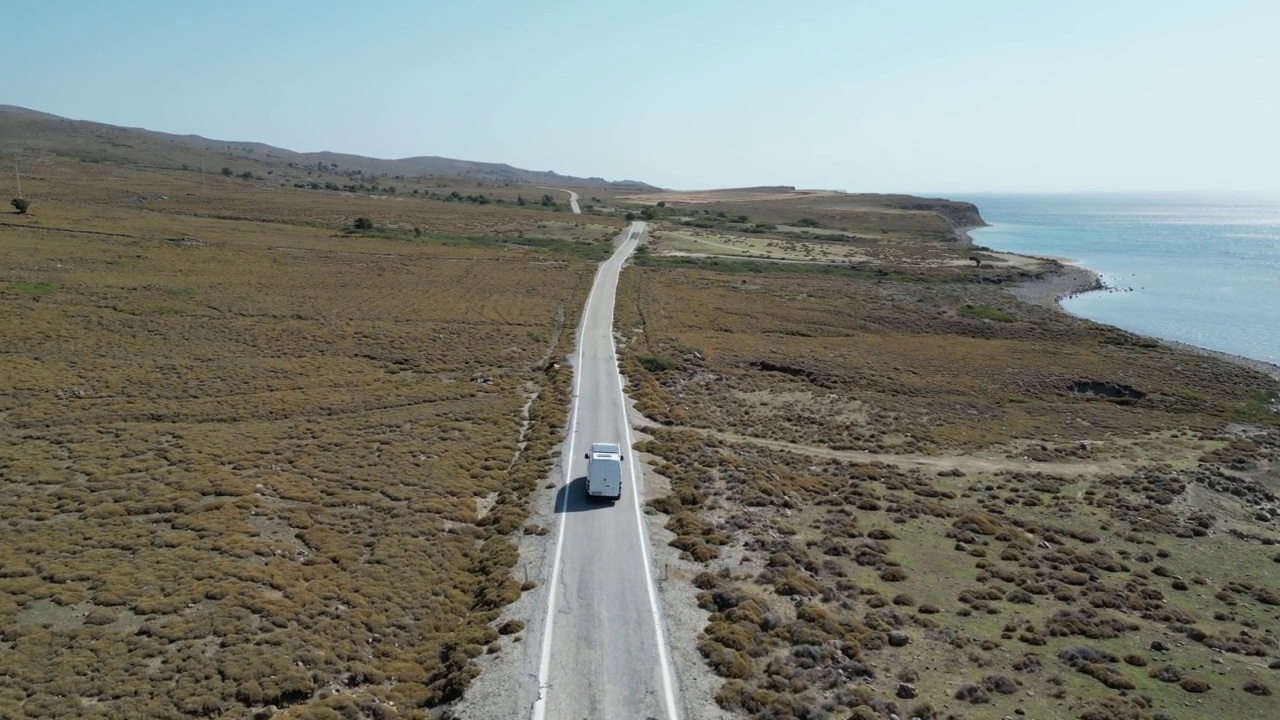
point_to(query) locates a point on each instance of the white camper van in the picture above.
(604, 471)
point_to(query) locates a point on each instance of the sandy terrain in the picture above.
(1047, 292)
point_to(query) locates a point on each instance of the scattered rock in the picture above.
(897, 638)
(1107, 390)
(906, 691)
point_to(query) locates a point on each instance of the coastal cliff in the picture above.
(962, 215)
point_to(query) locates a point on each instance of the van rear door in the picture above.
(604, 471)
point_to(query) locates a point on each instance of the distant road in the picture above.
(603, 646)
(573, 198)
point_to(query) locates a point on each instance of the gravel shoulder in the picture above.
(683, 619)
(508, 682)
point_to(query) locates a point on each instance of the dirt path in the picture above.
(967, 463)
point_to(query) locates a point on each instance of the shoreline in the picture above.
(1071, 279)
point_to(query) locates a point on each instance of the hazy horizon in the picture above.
(913, 97)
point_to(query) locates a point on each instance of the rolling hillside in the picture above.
(24, 130)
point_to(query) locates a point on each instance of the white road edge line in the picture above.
(544, 665)
(668, 683)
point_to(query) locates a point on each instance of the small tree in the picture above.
(364, 223)
(247, 175)
(21, 205)
(227, 171)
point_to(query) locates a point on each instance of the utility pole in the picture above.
(16, 176)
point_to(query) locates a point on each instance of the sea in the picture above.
(1197, 269)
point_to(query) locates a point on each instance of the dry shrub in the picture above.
(795, 583)
(736, 695)
(1028, 664)
(1267, 596)
(1254, 686)
(1020, 597)
(704, 553)
(729, 663)
(1107, 675)
(1120, 707)
(101, 616)
(893, 574)
(978, 524)
(924, 711)
(1000, 684)
(1032, 638)
(1097, 664)
(971, 693)
(1194, 685)
(1088, 623)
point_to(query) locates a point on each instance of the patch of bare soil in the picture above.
(963, 463)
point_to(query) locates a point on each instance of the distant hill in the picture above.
(25, 130)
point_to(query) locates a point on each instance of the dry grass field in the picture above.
(806, 216)
(253, 462)
(916, 497)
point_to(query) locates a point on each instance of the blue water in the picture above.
(1203, 270)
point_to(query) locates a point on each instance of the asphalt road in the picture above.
(603, 651)
(573, 198)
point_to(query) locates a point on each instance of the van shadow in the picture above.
(573, 498)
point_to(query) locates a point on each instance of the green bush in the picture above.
(363, 223)
(985, 312)
(34, 289)
(1261, 407)
(20, 204)
(658, 364)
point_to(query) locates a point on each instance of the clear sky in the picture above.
(884, 95)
